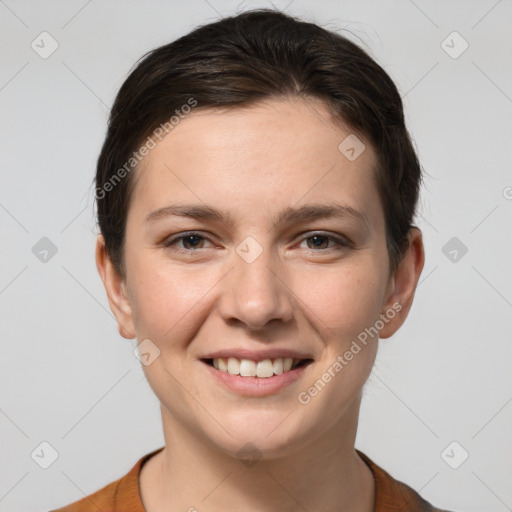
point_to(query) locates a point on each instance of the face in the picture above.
(252, 242)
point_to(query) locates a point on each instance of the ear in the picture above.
(402, 285)
(115, 287)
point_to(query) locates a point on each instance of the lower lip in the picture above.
(256, 386)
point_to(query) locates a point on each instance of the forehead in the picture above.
(273, 152)
(286, 127)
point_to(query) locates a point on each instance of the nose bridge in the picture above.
(255, 292)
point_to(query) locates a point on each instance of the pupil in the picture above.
(195, 239)
(319, 238)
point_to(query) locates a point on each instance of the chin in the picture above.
(266, 434)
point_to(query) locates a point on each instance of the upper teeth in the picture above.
(249, 368)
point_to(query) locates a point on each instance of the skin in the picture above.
(253, 163)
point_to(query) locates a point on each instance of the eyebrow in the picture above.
(290, 215)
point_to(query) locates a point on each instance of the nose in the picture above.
(256, 293)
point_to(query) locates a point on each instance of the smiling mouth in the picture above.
(263, 369)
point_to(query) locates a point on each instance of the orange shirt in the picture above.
(123, 495)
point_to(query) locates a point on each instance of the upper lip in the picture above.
(257, 355)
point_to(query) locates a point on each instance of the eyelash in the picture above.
(341, 243)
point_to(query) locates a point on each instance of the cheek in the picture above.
(167, 303)
(344, 300)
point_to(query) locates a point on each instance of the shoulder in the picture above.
(392, 495)
(121, 495)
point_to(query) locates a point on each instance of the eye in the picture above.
(320, 240)
(193, 240)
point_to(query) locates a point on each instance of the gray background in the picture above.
(69, 379)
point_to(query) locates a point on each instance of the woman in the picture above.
(256, 193)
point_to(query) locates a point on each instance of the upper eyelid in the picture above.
(308, 234)
(173, 240)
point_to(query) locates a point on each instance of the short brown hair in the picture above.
(237, 61)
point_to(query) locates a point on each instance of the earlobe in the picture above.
(115, 287)
(402, 286)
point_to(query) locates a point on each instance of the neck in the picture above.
(193, 475)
